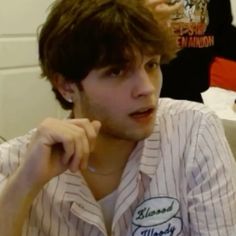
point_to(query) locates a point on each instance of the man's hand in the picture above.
(59, 145)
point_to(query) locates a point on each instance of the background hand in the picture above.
(164, 9)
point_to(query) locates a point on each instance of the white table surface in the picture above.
(221, 101)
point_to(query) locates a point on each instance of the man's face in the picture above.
(123, 98)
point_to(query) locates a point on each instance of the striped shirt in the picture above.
(178, 181)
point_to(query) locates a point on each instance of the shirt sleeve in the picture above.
(8, 162)
(212, 182)
(11, 154)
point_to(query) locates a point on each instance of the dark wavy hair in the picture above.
(81, 35)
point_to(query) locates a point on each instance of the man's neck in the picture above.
(111, 153)
(107, 162)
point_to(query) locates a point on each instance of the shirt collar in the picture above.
(151, 153)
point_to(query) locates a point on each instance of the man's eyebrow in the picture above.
(110, 66)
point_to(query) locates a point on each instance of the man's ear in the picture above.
(65, 87)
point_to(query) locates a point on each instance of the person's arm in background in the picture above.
(223, 66)
(220, 15)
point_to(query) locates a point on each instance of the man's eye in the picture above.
(115, 72)
(153, 65)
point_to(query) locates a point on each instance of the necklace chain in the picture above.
(94, 171)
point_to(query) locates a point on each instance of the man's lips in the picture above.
(142, 113)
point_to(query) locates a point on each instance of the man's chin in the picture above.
(128, 131)
(140, 133)
(141, 136)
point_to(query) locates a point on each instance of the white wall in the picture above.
(25, 99)
(233, 5)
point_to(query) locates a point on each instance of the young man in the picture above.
(125, 162)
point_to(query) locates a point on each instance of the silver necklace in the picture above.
(94, 171)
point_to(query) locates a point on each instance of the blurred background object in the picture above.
(223, 73)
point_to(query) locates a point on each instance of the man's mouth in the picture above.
(143, 114)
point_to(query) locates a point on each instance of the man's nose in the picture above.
(144, 84)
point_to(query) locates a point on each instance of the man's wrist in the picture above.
(26, 182)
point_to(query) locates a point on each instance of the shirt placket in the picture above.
(128, 192)
(94, 218)
(85, 207)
